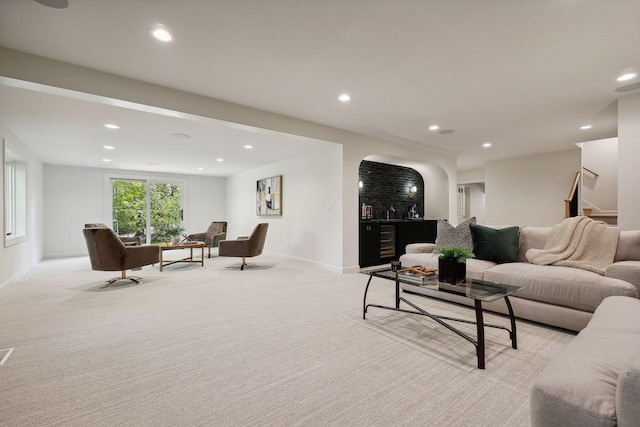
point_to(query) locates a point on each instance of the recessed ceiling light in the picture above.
(55, 4)
(153, 163)
(109, 147)
(446, 131)
(486, 145)
(585, 127)
(181, 136)
(219, 160)
(628, 88)
(162, 34)
(111, 126)
(628, 74)
(106, 160)
(200, 169)
(345, 97)
(248, 147)
(434, 127)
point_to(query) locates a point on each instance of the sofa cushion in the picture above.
(531, 238)
(628, 246)
(628, 393)
(563, 286)
(460, 235)
(420, 248)
(578, 386)
(628, 271)
(616, 312)
(496, 245)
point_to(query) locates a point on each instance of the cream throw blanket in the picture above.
(578, 242)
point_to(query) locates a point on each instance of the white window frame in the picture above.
(149, 179)
(14, 197)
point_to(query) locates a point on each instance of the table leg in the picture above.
(480, 329)
(514, 336)
(202, 256)
(161, 252)
(364, 301)
(397, 291)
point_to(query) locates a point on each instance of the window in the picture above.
(15, 198)
(146, 207)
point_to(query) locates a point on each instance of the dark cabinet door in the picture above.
(416, 232)
(369, 244)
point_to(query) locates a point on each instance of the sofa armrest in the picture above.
(629, 271)
(200, 237)
(130, 241)
(238, 248)
(628, 393)
(420, 248)
(216, 238)
(138, 256)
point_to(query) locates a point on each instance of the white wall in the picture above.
(74, 196)
(16, 260)
(310, 227)
(628, 156)
(530, 190)
(476, 207)
(470, 176)
(436, 191)
(600, 192)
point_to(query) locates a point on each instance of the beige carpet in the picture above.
(279, 344)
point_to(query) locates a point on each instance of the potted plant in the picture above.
(452, 264)
(168, 233)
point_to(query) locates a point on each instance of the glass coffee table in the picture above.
(478, 290)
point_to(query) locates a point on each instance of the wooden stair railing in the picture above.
(570, 198)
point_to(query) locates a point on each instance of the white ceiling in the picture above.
(523, 75)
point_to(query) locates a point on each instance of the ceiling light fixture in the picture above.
(200, 169)
(109, 147)
(181, 136)
(446, 131)
(345, 97)
(248, 147)
(219, 160)
(628, 74)
(106, 160)
(486, 145)
(585, 127)
(162, 34)
(111, 126)
(55, 4)
(434, 127)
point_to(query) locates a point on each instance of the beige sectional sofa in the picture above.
(594, 381)
(564, 297)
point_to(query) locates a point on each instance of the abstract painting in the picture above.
(269, 196)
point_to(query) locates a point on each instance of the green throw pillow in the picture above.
(497, 245)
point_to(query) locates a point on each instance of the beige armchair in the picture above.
(108, 253)
(244, 246)
(216, 232)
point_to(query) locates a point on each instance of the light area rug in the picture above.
(282, 343)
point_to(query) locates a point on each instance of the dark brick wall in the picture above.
(388, 185)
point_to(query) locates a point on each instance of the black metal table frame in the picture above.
(479, 342)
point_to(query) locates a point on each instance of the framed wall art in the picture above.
(269, 196)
